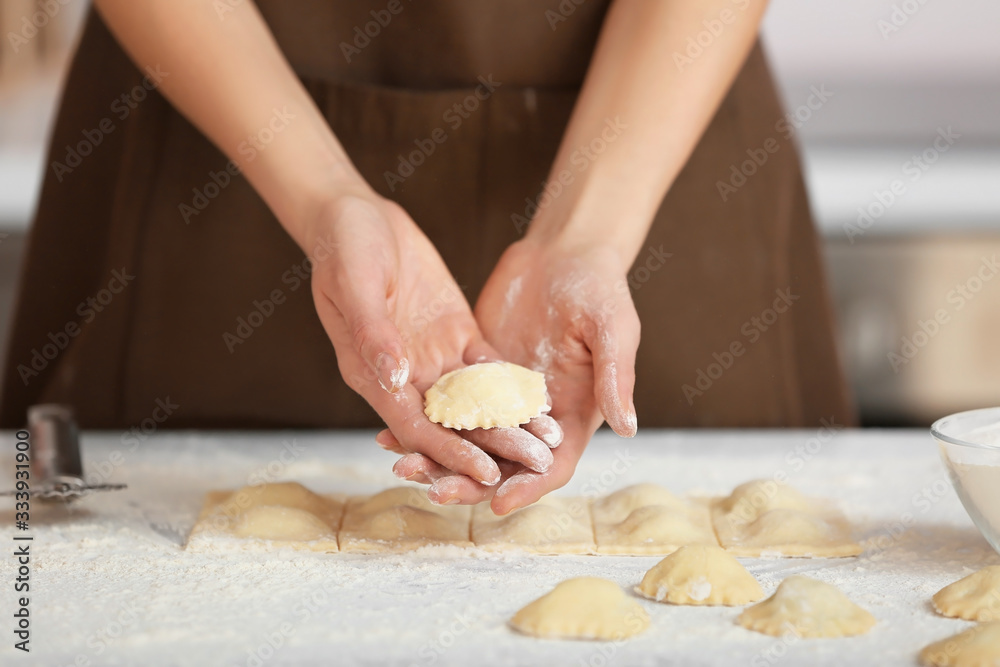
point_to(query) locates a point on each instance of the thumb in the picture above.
(613, 347)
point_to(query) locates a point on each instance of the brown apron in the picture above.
(126, 296)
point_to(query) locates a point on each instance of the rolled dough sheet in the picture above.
(265, 515)
(763, 518)
(646, 519)
(550, 526)
(402, 519)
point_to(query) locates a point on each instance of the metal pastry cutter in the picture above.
(55, 460)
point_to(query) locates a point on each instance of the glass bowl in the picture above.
(970, 448)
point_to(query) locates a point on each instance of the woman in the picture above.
(158, 267)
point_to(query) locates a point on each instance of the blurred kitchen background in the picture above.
(870, 83)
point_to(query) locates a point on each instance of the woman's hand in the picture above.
(398, 321)
(569, 314)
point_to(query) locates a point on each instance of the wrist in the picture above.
(308, 219)
(580, 227)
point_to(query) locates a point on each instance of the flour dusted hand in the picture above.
(487, 395)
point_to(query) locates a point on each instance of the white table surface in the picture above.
(111, 583)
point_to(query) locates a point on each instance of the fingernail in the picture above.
(542, 459)
(392, 375)
(482, 462)
(487, 482)
(631, 420)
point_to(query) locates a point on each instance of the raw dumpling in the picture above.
(767, 518)
(974, 598)
(401, 519)
(487, 395)
(277, 512)
(979, 646)
(550, 526)
(749, 501)
(582, 608)
(700, 575)
(809, 609)
(648, 519)
(286, 524)
(616, 507)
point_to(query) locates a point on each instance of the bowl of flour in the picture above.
(969, 443)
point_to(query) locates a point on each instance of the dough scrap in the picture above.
(700, 575)
(487, 395)
(550, 526)
(402, 519)
(974, 598)
(647, 519)
(808, 609)
(583, 608)
(284, 512)
(979, 646)
(766, 518)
